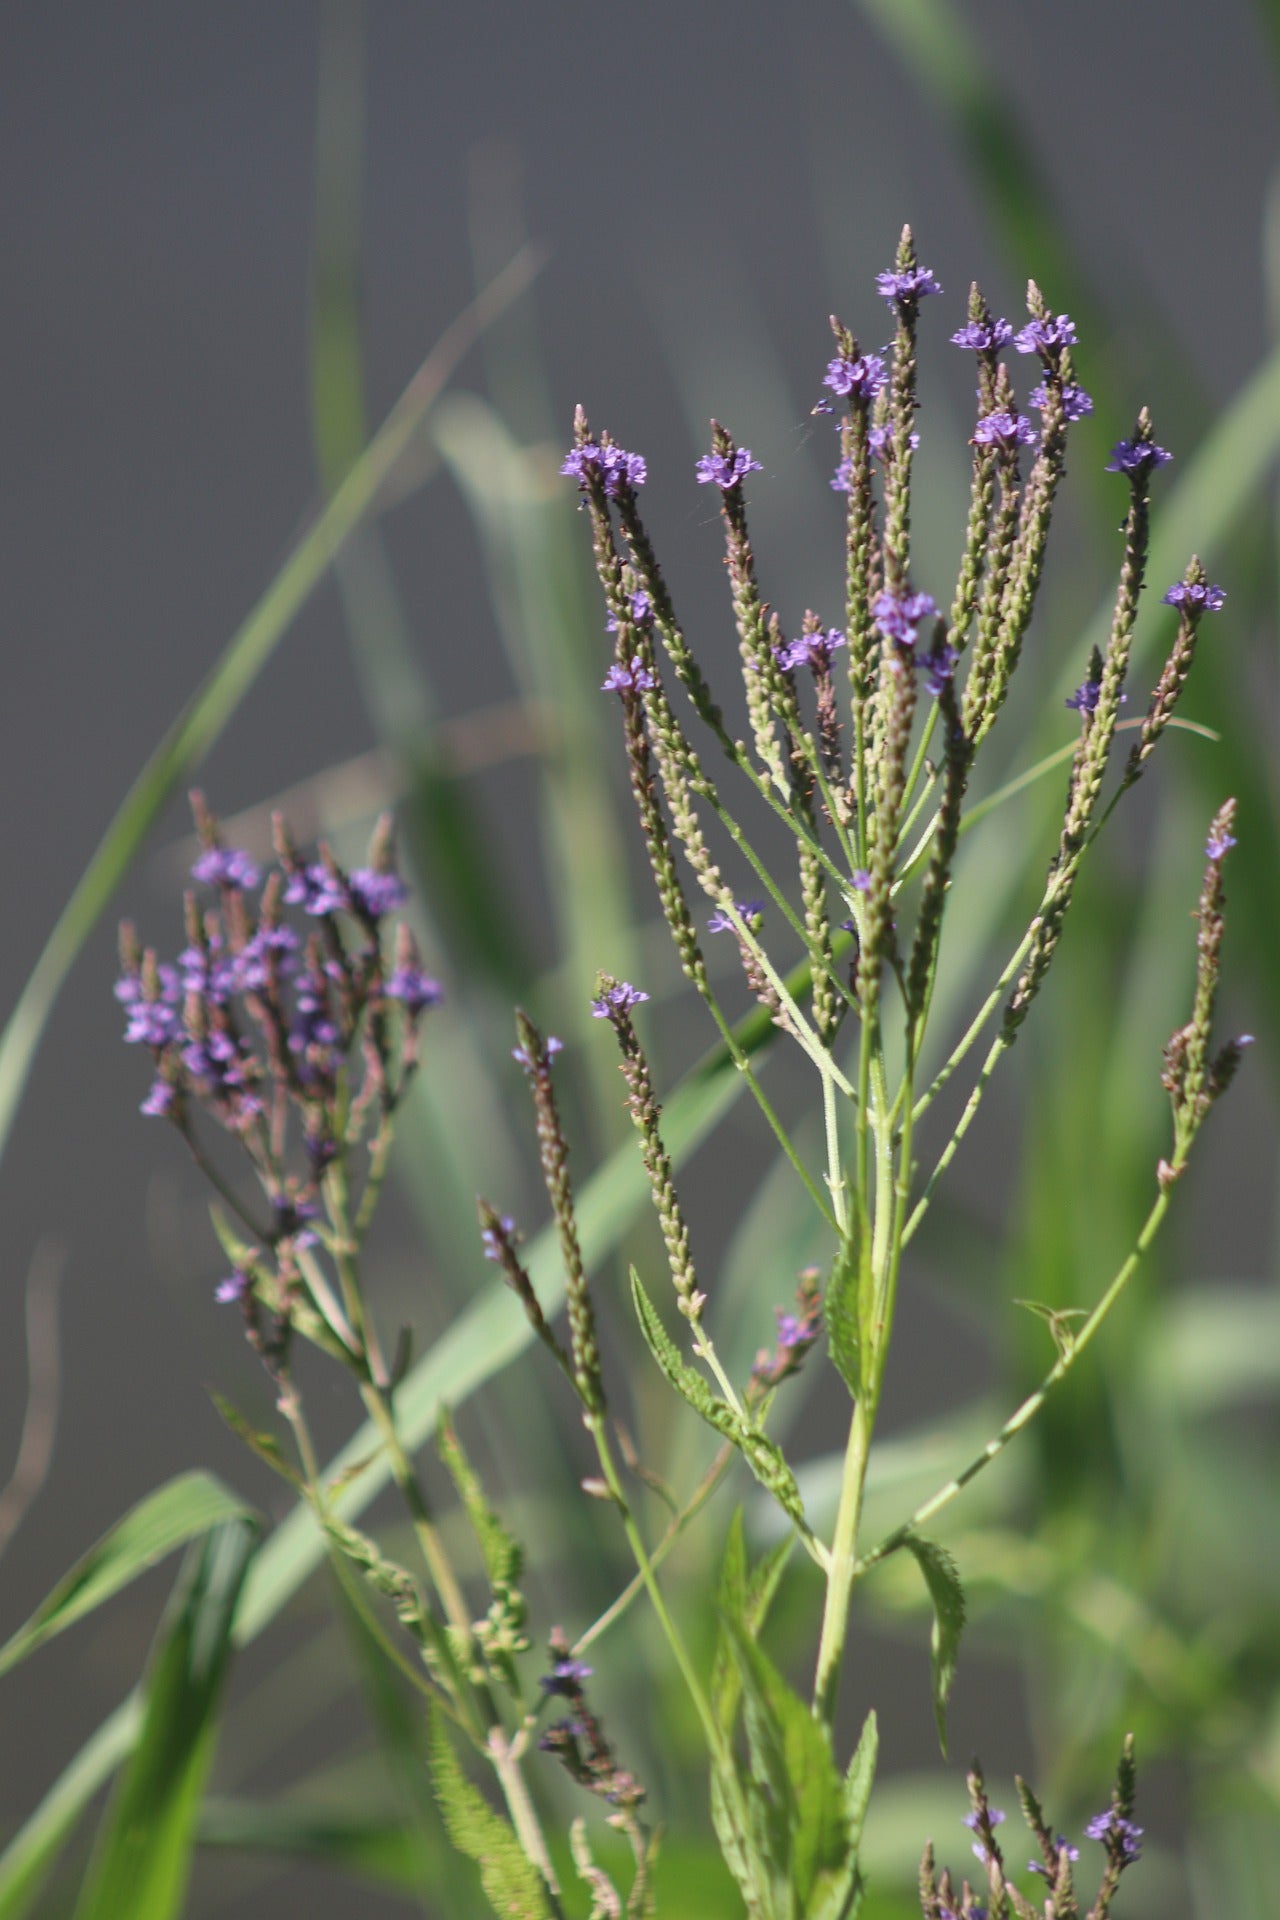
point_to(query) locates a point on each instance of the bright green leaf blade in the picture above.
(199, 725)
(142, 1861)
(947, 1595)
(168, 1518)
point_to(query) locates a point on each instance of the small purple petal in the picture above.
(1191, 593)
(1136, 456)
(225, 867)
(913, 283)
(726, 470)
(983, 336)
(863, 378)
(1045, 336)
(620, 998)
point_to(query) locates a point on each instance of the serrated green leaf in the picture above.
(512, 1884)
(142, 1860)
(502, 1554)
(265, 1445)
(860, 1776)
(796, 1793)
(763, 1455)
(942, 1578)
(843, 1306)
(179, 1511)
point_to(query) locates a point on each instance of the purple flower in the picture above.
(1076, 403)
(878, 438)
(413, 989)
(493, 1237)
(615, 467)
(995, 1817)
(1061, 1845)
(627, 678)
(1136, 456)
(234, 1287)
(224, 867)
(619, 998)
(861, 880)
(375, 893)
(1216, 846)
(1044, 336)
(748, 910)
(983, 336)
(152, 1023)
(1190, 593)
(1085, 697)
(898, 615)
(270, 948)
(566, 1677)
(315, 890)
(726, 469)
(938, 665)
(160, 1099)
(1004, 429)
(1118, 1835)
(913, 283)
(842, 479)
(641, 610)
(313, 1026)
(551, 1047)
(862, 378)
(208, 972)
(812, 649)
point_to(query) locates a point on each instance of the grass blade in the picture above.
(143, 1858)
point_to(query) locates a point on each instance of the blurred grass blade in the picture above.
(168, 1518)
(372, 1846)
(142, 1860)
(945, 58)
(198, 726)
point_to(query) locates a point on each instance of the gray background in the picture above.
(709, 177)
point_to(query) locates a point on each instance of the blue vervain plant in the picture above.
(292, 1021)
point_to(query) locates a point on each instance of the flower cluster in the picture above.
(259, 1017)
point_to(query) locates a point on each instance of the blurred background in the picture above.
(231, 236)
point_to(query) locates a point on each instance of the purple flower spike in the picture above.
(1216, 847)
(1060, 1846)
(983, 336)
(861, 880)
(938, 666)
(414, 989)
(152, 1023)
(1118, 1834)
(1189, 593)
(551, 1045)
(615, 467)
(863, 378)
(234, 1287)
(726, 469)
(1004, 429)
(878, 438)
(315, 890)
(812, 649)
(1076, 403)
(160, 1099)
(912, 284)
(898, 616)
(224, 867)
(1085, 697)
(629, 678)
(842, 478)
(566, 1677)
(1045, 336)
(492, 1237)
(748, 910)
(1136, 456)
(641, 611)
(620, 998)
(995, 1818)
(376, 893)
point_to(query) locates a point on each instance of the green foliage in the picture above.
(511, 1884)
(763, 1455)
(946, 1593)
(143, 1855)
(184, 1508)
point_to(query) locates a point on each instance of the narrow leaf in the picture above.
(142, 1860)
(177, 1512)
(943, 1581)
